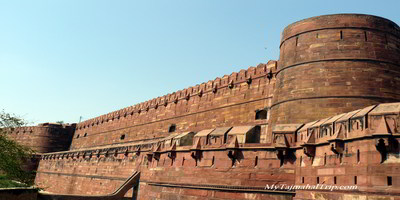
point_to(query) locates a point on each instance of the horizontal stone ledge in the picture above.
(337, 60)
(333, 97)
(82, 175)
(354, 192)
(219, 187)
(336, 28)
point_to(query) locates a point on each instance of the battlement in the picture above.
(212, 86)
(45, 137)
(224, 98)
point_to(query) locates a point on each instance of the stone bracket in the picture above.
(309, 150)
(337, 146)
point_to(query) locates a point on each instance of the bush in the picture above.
(12, 155)
(5, 182)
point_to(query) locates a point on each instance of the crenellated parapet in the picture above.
(45, 137)
(216, 103)
(227, 81)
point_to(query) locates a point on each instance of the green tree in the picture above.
(13, 155)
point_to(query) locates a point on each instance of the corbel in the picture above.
(337, 145)
(249, 80)
(156, 152)
(281, 153)
(270, 74)
(233, 148)
(230, 85)
(137, 151)
(309, 149)
(149, 157)
(172, 151)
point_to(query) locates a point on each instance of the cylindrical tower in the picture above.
(334, 64)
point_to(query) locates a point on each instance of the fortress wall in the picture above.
(329, 65)
(89, 176)
(175, 173)
(368, 174)
(102, 175)
(216, 168)
(44, 137)
(227, 101)
(333, 64)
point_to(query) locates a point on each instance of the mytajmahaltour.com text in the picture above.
(287, 187)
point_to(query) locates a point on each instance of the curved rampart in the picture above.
(333, 64)
(44, 138)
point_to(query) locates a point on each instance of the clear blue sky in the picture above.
(63, 59)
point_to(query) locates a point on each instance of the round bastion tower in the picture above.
(334, 64)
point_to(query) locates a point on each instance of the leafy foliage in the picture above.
(13, 155)
(8, 120)
(5, 182)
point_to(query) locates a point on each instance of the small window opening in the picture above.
(213, 160)
(261, 114)
(172, 128)
(85, 135)
(317, 179)
(256, 162)
(122, 137)
(389, 180)
(183, 161)
(358, 155)
(77, 136)
(341, 158)
(334, 180)
(355, 180)
(325, 159)
(301, 160)
(302, 179)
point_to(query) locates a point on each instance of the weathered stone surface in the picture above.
(321, 112)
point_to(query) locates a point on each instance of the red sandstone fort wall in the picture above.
(329, 65)
(319, 152)
(44, 137)
(93, 173)
(227, 101)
